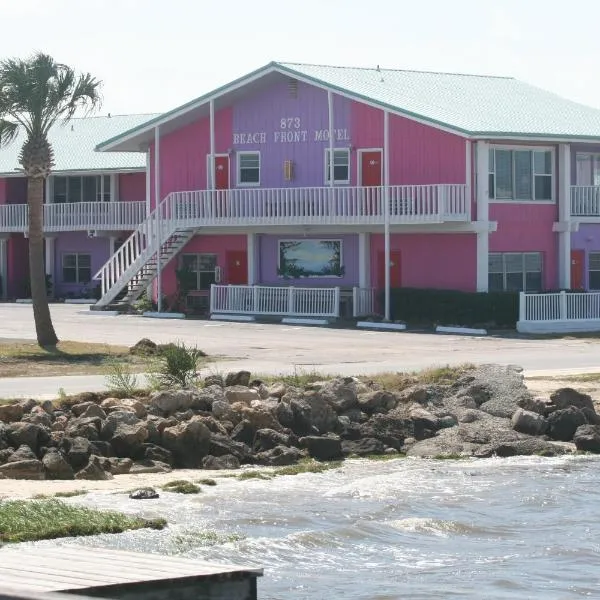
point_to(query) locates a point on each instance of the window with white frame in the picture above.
(204, 266)
(248, 168)
(521, 174)
(86, 188)
(341, 165)
(77, 267)
(594, 270)
(515, 272)
(588, 169)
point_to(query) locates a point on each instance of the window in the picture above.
(248, 168)
(515, 272)
(588, 169)
(341, 166)
(87, 188)
(77, 268)
(204, 266)
(520, 174)
(310, 258)
(594, 271)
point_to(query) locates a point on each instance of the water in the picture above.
(497, 529)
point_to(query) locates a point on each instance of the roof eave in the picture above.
(534, 137)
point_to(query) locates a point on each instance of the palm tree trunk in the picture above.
(44, 329)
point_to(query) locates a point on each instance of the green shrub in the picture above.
(120, 379)
(176, 365)
(452, 307)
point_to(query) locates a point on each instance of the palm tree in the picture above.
(34, 94)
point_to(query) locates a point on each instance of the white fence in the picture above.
(585, 201)
(363, 302)
(277, 301)
(559, 312)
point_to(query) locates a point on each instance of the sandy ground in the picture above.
(12, 488)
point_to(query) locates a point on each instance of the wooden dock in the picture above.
(107, 573)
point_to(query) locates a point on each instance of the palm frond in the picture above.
(8, 131)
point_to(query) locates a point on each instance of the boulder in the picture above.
(587, 438)
(424, 422)
(28, 404)
(87, 427)
(377, 401)
(56, 465)
(267, 439)
(125, 432)
(259, 418)
(221, 409)
(216, 380)
(279, 456)
(362, 447)
(93, 410)
(213, 425)
(500, 406)
(221, 445)
(146, 466)
(277, 390)
(204, 398)
(23, 469)
(566, 397)
(528, 422)
(100, 448)
(541, 406)
(120, 466)
(322, 448)
(79, 409)
(171, 401)
(524, 447)
(23, 452)
(235, 378)
(60, 423)
(322, 416)
(154, 452)
(93, 471)
(390, 428)
(414, 394)
(77, 451)
(227, 461)
(340, 393)
(48, 406)
(563, 423)
(244, 395)
(144, 494)
(130, 404)
(243, 432)
(189, 442)
(145, 347)
(38, 416)
(32, 435)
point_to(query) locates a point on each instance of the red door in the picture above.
(222, 172)
(577, 269)
(395, 269)
(371, 176)
(237, 267)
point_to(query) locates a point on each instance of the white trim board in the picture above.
(381, 325)
(303, 321)
(163, 315)
(228, 317)
(359, 153)
(460, 330)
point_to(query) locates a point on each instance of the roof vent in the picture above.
(293, 87)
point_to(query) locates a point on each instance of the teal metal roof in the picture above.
(473, 104)
(74, 145)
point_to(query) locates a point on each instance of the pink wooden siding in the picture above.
(18, 265)
(437, 260)
(527, 228)
(3, 191)
(132, 187)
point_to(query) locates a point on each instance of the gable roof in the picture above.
(476, 106)
(74, 146)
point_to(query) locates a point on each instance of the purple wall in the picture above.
(70, 242)
(257, 126)
(588, 240)
(16, 190)
(267, 249)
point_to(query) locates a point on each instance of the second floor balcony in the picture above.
(75, 216)
(585, 201)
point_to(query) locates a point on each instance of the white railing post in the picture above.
(336, 306)
(355, 295)
(213, 291)
(254, 298)
(522, 307)
(291, 302)
(563, 306)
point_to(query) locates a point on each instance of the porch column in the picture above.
(564, 216)
(114, 187)
(211, 175)
(364, 260)
(251, 252)
(148, 183)
(4, 266)
(112, 243)
(50, 261)
(157, 199)
(483, 215)
(330, 119)
(386, 210)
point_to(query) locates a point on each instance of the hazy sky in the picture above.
(153, 55)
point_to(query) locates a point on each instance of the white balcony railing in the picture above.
(320, 205)
(585, 201)
(280, 301)
(363, 302)
(78, 216)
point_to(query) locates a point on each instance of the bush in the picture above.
(176, 366)
(452, 307)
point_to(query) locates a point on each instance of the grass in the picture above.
(379, 457)
(580, 378)
(206, 481)
(181, 486)
(184, 542)
(70, 494)
(304, 466)
(29, 520)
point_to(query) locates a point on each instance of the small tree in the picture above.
(34, 94)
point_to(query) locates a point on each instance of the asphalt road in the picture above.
(276, 349)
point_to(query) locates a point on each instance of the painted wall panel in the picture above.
(132, 187)
(588, 240)
(575, 148)
(438, 261)
(527, 228)
(3, 191)
(268, 262)
(16, 190)
(18, 265)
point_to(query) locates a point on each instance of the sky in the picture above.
(154, 55)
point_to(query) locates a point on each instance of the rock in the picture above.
(147, 493)
(145, 466)
(32, 435)
(562, 424)
(447, 421)
(525, 447)
(94, 411)
(213, 425)
(100, 448)
(378, 401)
(93, 471)
(189, 442)
(125, 432)
(23, 469)
(216, 380)
(171, 401)
(144, 347)
(500, 407)
(363, 447)
(79, 409)
(87, 427)
(243, 432)
(204, 398)
(340, 393)
(60, 423)
(259, 418)
(415, 394)
(227, 461)
(322, 416)
(38, 416)
(5, 455)
(132, 405)
(470, 416)
(587, 438)
(267, 439)
(48, 406)
(277, 390)
(541, 406)
(566, 397)
(390, 428)
(28, 404)
(425, 423)
(77, 451)
(322, 448)
(154, 452)
(235, 378)
(120, 466)
(56, 465)
(528, 422)
(184, 415)
(238, 393)
(23, 452)
(222, 445)
(279, 457)
(221, 409)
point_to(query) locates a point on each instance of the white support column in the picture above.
(330, 118)
(112, 244)
(386, 209)
(483, 215)
(48, 188)
(211, 175)
(157, 199)
(4, 266)
(148, 183)
(50, 260)
(469, 173)
(564, 216)
(114, 187)
(251, 251)
(364, 260)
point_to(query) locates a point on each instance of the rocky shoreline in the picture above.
(233, 421)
